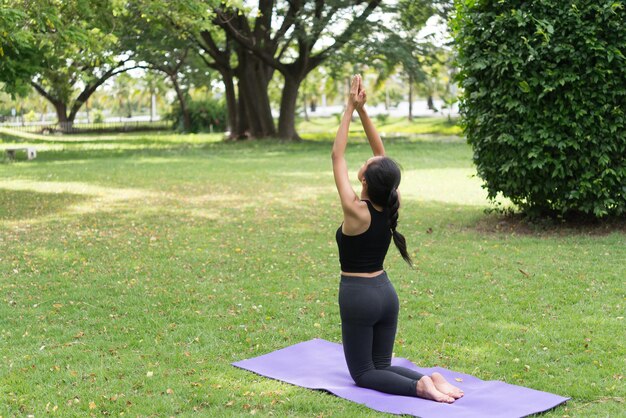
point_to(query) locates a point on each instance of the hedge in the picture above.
(543, 102)
(205, 115)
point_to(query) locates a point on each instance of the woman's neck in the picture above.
(364, 196)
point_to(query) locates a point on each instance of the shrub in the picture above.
(382, 118)
(30, 116)
(98, 116)
(544, 99)
(204, 114)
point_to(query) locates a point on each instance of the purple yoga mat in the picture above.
(320, 364)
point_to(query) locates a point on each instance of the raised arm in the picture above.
(368, 126)
(347, 195)
(370, 131)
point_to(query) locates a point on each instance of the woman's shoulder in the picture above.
(358, 221)
(372, 207)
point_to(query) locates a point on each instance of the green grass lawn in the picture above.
(420, 127)
(135, 268)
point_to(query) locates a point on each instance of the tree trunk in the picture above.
(254, 77)
(306, 114)
(231, 103)
(249, 104)
(152, 106)
(387, 104)
(243, 122)
(65, 123)
(183, 104)
(129, 107)
(287, 119)
(262, 78)
(430, 103)
(410, 97)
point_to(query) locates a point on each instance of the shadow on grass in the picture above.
(119, 151)
(105, 147)
(521, 225)
(163, 144)
(111, 145)
(433, 215)
(16, 205)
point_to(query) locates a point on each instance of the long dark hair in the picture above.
(383, 178)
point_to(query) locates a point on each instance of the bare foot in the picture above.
(426, 389)
(443, 386)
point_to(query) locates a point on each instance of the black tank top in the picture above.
(365, 253)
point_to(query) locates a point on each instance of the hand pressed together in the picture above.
(358, 97)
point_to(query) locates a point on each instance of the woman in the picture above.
(367, 300)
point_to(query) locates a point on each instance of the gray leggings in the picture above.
(369, 317)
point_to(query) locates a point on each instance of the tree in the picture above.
(159, 46)
(21, 53)
(248, 44)
(191, 22)
(398, 50)
(155, 85)
(391, 44)
(217, 51)
(123, 88)
(250, 113)
(310, 90)
(172, 66)
(413, 16)
(287, 36)
(80, 55)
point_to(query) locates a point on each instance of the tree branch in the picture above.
(211, 48)
(91, 88)
(264, 22)
(282, 51)
(288, 22)
(322, 22)
(344, 37)
(182, 60)
(43, 92)
(208, 63)
(226, 23)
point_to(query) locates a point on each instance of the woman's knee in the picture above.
(382, 364)
(361, 381)
(360, 377)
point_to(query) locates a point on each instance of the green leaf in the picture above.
(523, 85)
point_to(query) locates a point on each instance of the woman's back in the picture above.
(365, 252)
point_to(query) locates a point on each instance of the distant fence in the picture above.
(75, 128)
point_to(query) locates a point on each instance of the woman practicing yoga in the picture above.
(367, 300)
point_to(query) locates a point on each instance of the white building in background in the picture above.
(420, 108)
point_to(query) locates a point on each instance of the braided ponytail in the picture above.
(383, 177)
(393, 204)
